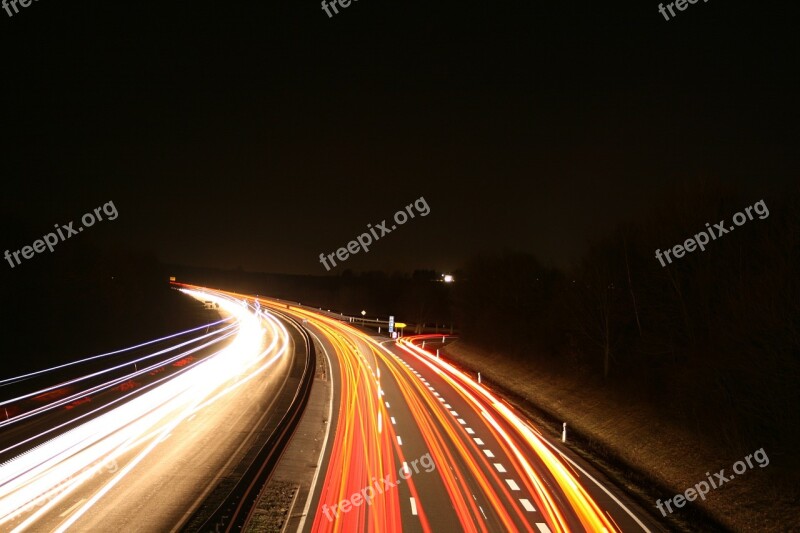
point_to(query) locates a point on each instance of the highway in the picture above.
(399, 406)
(144, 458)
(414, 444)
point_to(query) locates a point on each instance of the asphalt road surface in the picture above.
(416, 445)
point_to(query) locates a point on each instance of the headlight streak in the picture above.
(27, 478)
(21, 377)
(119, 400)
(119, 366)
(109, 384)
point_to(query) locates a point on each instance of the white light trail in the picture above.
(33, 483)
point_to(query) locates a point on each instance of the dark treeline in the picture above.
(712, 340)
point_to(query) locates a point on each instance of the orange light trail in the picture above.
(584, 506)
(365, 447)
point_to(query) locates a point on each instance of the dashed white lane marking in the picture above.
(543, 528)
(462, 421)
(436, 393)
(399, 440)
(440, 399)
(512, 484)
(470, 431)
(413, 506)
(500, 468)
(447, 405)
(488, 453)
(478, 441)
(527, 505)
(387, 405)
(453, 413)
(393, 420)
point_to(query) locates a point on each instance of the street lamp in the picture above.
(363, 314)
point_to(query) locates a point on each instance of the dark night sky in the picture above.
(260, 135)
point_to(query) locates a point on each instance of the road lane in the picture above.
(169, 447)
(575, 493)
(494, 472)
(395, 405)
(469, 488)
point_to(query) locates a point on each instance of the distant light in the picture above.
(363, 313)
(448, 278)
